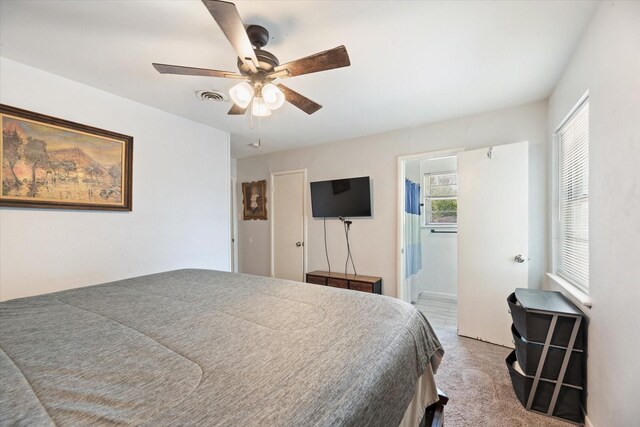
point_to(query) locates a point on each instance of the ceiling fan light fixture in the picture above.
(242, 93)
(259, 108)
(273, 97)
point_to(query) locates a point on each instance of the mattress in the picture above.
(201, 347)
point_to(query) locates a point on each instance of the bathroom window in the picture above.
(441, 199)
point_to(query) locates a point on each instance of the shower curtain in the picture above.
(412, 238)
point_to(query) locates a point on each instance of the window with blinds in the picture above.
(441, 199)
(573, 199)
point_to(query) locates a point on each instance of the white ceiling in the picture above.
(411, 62)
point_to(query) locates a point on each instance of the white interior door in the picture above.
(493, 229)
(288, 228)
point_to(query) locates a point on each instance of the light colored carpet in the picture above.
(475, 377)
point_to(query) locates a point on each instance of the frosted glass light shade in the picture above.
(273, 97)
(241, 94)
(260, 108)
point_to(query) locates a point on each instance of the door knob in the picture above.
(519, 259)
(298, 244)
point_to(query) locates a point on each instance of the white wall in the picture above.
(607, 63)
(412, 171)
(234, 167)
(180, 214)
(373, 241)
(439, 274)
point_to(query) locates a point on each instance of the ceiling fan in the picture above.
(259, 68)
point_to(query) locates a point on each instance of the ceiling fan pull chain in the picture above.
(259, 130)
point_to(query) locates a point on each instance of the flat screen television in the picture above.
(350, 197)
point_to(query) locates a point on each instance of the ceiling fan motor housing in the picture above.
(266, 62)
(259, 37)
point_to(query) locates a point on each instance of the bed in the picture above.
(202, 347)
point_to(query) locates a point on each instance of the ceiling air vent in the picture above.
(211, 95)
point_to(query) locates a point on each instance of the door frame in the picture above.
(402, 160)
(273, 216)
(233, 224)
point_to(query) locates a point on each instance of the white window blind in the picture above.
(573, 221)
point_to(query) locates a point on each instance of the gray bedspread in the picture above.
(200, 347)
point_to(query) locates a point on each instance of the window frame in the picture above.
(427, 206)
(565, 280)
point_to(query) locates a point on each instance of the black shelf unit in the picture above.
(549, 334)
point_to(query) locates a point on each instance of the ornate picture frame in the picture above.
(254, 200)
(49, 162)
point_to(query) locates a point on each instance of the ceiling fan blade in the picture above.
(327, 60)
(193, 71)
(236, 110)
(227, 16)
(302, 102)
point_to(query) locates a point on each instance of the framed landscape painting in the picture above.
(53, 163)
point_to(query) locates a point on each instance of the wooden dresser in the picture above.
(358, 282)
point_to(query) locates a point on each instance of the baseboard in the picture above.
(587, 421)
(452, 297)
(462, 334)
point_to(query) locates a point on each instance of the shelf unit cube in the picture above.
(549, 334)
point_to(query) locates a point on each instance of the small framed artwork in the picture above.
(254, 200)
(53, 163)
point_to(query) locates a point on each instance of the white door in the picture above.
(493, 230)
(288, 216)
